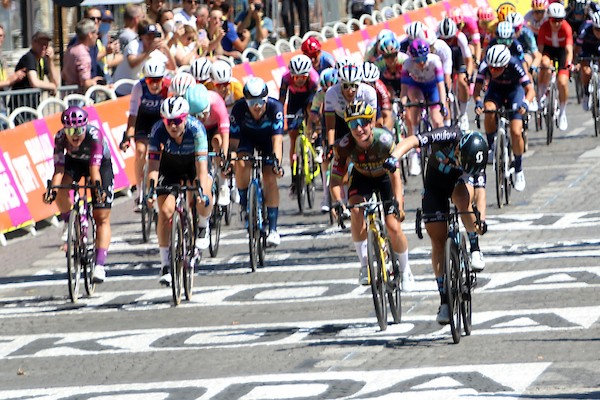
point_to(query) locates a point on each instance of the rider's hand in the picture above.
(100, 195)
(125, 143)
(277, 169)
(391, 163)
(482, 227)
(202, 198)
(329, 152)
(478, 107)
(524, 107)
(49, 196)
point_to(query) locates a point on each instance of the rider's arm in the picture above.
(154, 152)
(329, 111)
(283, 89)
(338, 170)
(529, 92)
(219, 108)
(410, 142)
(134, 106)
(277, 134)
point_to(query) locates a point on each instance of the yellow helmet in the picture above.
(358, 110)
(504, 9)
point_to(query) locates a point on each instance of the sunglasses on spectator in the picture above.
(150, 81)
(348, 86)
(355, 123)
(75, 131)
(175, 121)
(96, 19)
(260, 101)
(557, 20)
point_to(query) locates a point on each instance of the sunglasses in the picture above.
(175, 121)
(150, 81)
(355, 123)
(506, 42)
(420, 59)
(496, 68)
(390, 56)
(557, 20)
(96, 19)
(539, 11)
(348, 86)
(75, 131)
(260, 101)
(299, 77)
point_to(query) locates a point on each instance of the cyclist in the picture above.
(390, 64)
(413, 30)
(80, 150)
(384, 104)
(144, 110)
(180, 83)
(367, 148)
(525, 36)
(555, 41)
(486, 22)
(469, 27)
(462, 64)
(536, 16)
(508, 86)
(320, 59)
(327, 79)
(422, 80)
(177, 153)
(301, 82)
(505, 35)
(257, 124)
(222, 82)
(201, 69)
(576, 14)
(458, 159)
(588, 45)
(372, 53)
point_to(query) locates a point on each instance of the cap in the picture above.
(41, 35)
(107, 15)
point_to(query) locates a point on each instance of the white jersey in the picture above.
(444, 52)
(335, 101)
(463, 43)
(532, 24)
(431, 72)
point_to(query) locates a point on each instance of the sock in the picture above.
(164, 255)
(101, 256)
(243, 198)
(542, 90)
(202, 221)
(563, 106)
(440, 285)
(65, 216)
(473, 241)
(518, 163)
(361, 251)
(403, 260)
(272, 213)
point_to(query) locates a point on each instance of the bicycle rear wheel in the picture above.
(90, 255)
(466, 307)
(375, 265)
(595, 103)
(74, 254)
(452, 287)
(253, 228)
(500, 169)
(394, 293)
(177, 257)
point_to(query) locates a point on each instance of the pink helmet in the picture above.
(74, 117)
(457, 16)
(485, 14)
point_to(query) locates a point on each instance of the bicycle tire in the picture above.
(74, 252)
(253, 230)
(424, 126)
(90, 253)
(227, 210)
(551, 115)
(310, 181)
(177, 257)
(500, 169)
(262, 243)
(214, 222)
(452, 287)
(578, 87)
(466, 305)
(595, 104)
(189, 234)
(394, 294)
(375, 265)
(299, 175)
(508, 177)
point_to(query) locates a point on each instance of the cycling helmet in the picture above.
(429, 36)
(370, 72)
(498, 56)
(447, 28)
(300, 65)
(174, 107)
(457, 16)
(414, 29)
(154, 68)
(311, 46)
(385, 34)
(473, 152)
(579, 6)
(255, 88)
(200, 69)
(486, 14)
(537, 5)
(357, 110)
(596, 19)
(328, 77)
(220, 72)
(74, 117)
(556, 10)
(516, 19)
(198, 99)
(418, 48)
(388, 46)
(504, 9)
(180, 83)
(350, 73)
(504, 30)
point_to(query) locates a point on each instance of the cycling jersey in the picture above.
(516, 48)
(256, 134)
(235, 91)
(384, 101)
(532, 24)
(443, 51)
(471, 30)
(326, 60)
(413, 74)
(194, 140)
(336, 103)
(218, 119)
(391, 76)
(93, 149)
(589, 43)
(146, 106)
(368, 162)
(460, 41)
(576, 21)
(559, 39)
(512, 76)
(299, 96)
(528, 41)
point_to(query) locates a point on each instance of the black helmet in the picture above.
(473, 152)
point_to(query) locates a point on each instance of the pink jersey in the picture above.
(471, 30)
(218, 117)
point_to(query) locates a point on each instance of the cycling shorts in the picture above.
(510, 100)
(78, 169)
(557, 54)
(175, 170)
(430, 91)
(263, 145)
(458, 61)
(365, 186)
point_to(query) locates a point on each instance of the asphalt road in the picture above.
(300, 327)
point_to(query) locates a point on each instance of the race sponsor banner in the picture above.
(26, 152)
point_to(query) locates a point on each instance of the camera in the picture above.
(257, 7)
(157, 34)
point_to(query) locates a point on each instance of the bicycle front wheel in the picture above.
(253, 227)
(466, 308)
(500, 169)
(90, 255)
(189, 250)
(595, 103)
(74, 254)
(551, 114)
(177, 257)
(299, 175)
(313, 169)
(394, 294)
(452, 287)
(376, 264)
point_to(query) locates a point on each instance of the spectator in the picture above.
(150, 44)
(232, 43)
(77, 63)
(38, 64)
(187, 15)
(7, 80)
(289, 21)
(215, 33)
(166, 19)
(109, 46)
(153, 8)
(360, 7)
(254, 20)
(201, 27)
(132, 17)
(186, 49)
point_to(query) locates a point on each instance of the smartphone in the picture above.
(257, 6)
(225, 25)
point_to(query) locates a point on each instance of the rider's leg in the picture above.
(544, 75)
(489, 122)
(271, 192)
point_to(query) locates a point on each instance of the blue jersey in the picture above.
(194, 140)
(512, 76)
(149, 109)
(243, 123)
(528, 41)
(516, 48)
(326, 60)
(589, 43)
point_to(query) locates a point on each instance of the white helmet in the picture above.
(414, 29)
(498, 56)
(447, 28)
(221, 72)
(504, 30)
(255, 87)
(370, 72)
(350, 73)
(180, 83)
(427, 35)
(516, 19)
(174, 107)
(200, 69)
(596, 19)
(154, 68)
(300, 65)
(556, 10)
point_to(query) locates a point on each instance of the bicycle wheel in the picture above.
(253, 228)
(500, 169)
(299, 175)
(191, 221)
(214, 223)
(394, 293)
(576, 75)
(262, 243)
(177, 257)
(310, 181)
(466, 307)
(550, 114)
(595, 103)
(509, 172)
(74, 253)
(90, 255)
(452, 287)
(375, 265)
(424, 126)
